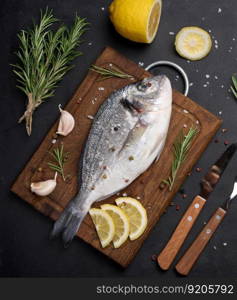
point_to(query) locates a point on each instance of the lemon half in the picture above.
(121, 223)
(136, 213)
(136, 20)
(193, 43)
(104, 225)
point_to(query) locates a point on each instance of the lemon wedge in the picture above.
(193, 43)
(136, 20)
(104, 225)
(121, 223)
(136, 213)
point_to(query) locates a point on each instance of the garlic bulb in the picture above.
(44, 188)
(66, 122)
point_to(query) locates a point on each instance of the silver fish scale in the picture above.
(107, 136)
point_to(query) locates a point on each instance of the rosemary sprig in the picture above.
(109, 72)
(44, 58)
(60, 158)
(234, 87)
(180, 150)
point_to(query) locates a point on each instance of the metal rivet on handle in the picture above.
(175, 66)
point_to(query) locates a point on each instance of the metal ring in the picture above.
(175, 66)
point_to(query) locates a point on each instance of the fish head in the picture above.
(150, 94)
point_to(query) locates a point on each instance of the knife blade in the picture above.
(188, 260)
(208, 183)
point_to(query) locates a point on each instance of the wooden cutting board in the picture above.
(86, 101)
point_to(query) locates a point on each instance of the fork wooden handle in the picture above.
(168, 254)
(190, 257)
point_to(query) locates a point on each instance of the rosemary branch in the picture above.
(180, 150)
(234, 87)
(44, 58)
(109, 72)
(60, 158)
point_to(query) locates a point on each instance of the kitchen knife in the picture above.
(208, 183)
(191, 255)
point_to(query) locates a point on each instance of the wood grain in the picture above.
(186, 263)
(86, 101)
(170, 251)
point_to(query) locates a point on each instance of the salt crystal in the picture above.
(141, 63)
(233, 39)
(90, 117)
(188, 61)
(220, 112)
(185, 111)
(90, 43)
(209, 30)
(205, 85)
(219, 10)
(124, 194)
(191, 84)
(102, 8)
(138, 198)
(171, 33)
(216, 77)
(207, 76)
(214, 247)
(203, 18)
(225, 244)
(54, 141)
(111, 65)
(216, 42)
(94, 100)
(222, 86)
(101, 88)
(185, 126)
(197, 122)
(216, 46)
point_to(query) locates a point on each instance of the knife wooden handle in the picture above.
(168, 254)
(190, 257)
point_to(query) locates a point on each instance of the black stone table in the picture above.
(25, 249)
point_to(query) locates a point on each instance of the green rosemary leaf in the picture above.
(234, 87)
(109, 72)
(45, 56)
(180, 150)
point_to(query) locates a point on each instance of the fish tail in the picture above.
(68, 223)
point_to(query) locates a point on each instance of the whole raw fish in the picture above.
(127, 135)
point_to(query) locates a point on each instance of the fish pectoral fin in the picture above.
(134, 136)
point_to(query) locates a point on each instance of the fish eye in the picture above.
(143, 86)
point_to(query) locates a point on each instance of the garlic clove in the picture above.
(66, 122)
(44, 188)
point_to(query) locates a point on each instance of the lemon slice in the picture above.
(104, 225)
(136, 213)
(121, 223)
(193, 43)
(136, 20)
